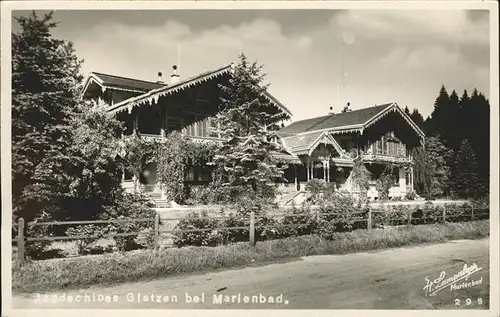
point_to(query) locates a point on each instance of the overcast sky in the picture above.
(402, 56)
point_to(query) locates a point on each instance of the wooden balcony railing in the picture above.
(386, 158)
(197, 139)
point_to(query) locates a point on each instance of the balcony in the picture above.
(385, 158)
(196, 139)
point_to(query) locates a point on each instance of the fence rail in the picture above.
(409, 218)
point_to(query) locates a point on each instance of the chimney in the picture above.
(160, 78)
(174, 78)
(346, 108)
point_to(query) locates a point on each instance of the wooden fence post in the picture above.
(157, 232)
(20, 240)
(444, 213)
(409, 217)
(472, 212)
(252, 228)
(369, 221)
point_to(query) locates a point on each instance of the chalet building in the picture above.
(327, 147)
(318, 148)
(152, 110)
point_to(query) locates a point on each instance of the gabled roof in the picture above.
(300, 141)
(120, 83)
(355, 120)
(153, 95)
(354, 117)
(302, 126)
(306, 143)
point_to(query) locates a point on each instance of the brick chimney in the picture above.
(174, 78)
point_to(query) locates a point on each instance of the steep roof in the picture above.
(299, 141)
(153, 95)
(302, 125)
(337, 120)
(125, 82)
(122, 83)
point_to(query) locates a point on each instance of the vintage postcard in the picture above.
(244, 157)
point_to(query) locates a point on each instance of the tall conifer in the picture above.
(246, 158)
(46, 84)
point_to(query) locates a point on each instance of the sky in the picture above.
(314, 59)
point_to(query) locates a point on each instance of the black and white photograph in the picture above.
(197, 157)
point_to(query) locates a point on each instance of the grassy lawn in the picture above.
(81, 272)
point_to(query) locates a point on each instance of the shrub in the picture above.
(411, 195)
(200, 195)
(235, 235)
(266, 228)
(36, 250)
(306, 224)
(131, 206)
(341, 208)
(207, 236)
(85, 246)
(385, 182)
(315, 187)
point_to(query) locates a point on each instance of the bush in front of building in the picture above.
(130, 206)
(207, 236)
(411, 195)
(340, 211)
(315, 188)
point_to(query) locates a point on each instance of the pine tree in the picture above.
(417, 117)
(247, 125)
(452, 133)
(46, 86)
(465, 177)
(479, 134)
(464, 117)
(435, 124)
(407, 111)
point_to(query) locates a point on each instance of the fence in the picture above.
(411, 217)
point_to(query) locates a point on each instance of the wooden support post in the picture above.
(295, 176)
(252, 229)
(136, 122)
(369, 221)
(444, 214)
(157, 232)
(409, 217)
(20, 240)
(472, 218)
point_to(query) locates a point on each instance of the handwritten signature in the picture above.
(433, 286)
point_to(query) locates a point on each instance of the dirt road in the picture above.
(389, 279)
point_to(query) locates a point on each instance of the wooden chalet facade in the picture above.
(152, 110)
(327, 147)
(318, 148)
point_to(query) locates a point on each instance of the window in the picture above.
(189, 175)
(174, 124)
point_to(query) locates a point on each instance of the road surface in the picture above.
(389, 279)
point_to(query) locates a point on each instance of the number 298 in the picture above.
(468, 301)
